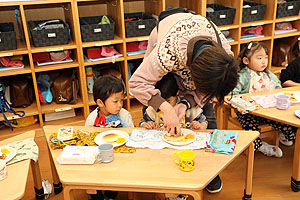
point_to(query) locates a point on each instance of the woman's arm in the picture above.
(290, 83)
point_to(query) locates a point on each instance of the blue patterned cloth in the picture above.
(222, 142)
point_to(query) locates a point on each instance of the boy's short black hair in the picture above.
(167, 86)
(105, 86)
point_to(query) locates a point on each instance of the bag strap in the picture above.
(216, 32)
(74, 89)
(4, 106)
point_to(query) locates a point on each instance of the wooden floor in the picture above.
(271, 178)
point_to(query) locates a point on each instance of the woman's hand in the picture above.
(171, 121)
(149, 125)
(180, 110)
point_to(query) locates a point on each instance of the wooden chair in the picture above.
(226, 118)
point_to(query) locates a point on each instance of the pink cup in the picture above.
(283, 101)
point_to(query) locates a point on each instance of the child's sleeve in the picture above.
(126, 118)
(90, 119)
(149, 115)
(241, 85)
(201, 118)
(146, 118)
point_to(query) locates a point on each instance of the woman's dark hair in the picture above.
(215, 73)
(105, 86)
(296, 49)
(167, 86)
(249, 50)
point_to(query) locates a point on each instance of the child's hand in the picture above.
(198, 125)
(149, 125)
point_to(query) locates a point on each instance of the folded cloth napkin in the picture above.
(26, 149)
(222, 142)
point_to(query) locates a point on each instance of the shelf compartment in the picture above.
(101, 8)
(233, 33)
(103, 61)
(25, 70)
(71, 45)
(29, 111)
(75, 121)
(54, 107)
(78, 120)
(117, 40)
(55, 67)
(295, 24)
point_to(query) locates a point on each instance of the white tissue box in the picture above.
(78, 155)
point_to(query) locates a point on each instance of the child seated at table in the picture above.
(255, 77)
(109, 95)
(194, 117)
(291, 75)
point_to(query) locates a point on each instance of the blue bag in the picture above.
(4, 106)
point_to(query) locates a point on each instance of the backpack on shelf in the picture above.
(64, 89)
(5, 107)
(282, 53)
(21, 92)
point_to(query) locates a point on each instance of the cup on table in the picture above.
(3, 172)
(106, 153)
(185, 159)
(283, 101)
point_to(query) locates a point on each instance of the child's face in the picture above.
(172, 100)
(258, 61)
(112, 104)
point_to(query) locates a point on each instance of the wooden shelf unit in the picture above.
(71, 10)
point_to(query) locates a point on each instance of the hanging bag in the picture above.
(4, 106)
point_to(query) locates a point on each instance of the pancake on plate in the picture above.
(110, 138)
(174, 138)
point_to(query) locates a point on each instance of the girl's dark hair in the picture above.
(249, 50)
(167, 86)
(106, 85)
(296, 49)
(215, 73)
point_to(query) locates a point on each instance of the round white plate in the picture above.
(12, 152)
(297, 113)
(98, 139)
(184, 132)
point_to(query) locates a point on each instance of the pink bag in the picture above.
(60, 55)
(108, 51)
(283, 26)
(6, 62)
(143, 45)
